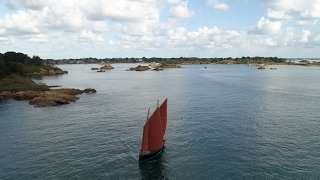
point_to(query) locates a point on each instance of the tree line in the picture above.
(21, 64)
(17, 63)
(179, 60)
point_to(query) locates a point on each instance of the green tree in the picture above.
(37, 61)
(16, 68)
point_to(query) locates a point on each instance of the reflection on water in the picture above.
(155, 168)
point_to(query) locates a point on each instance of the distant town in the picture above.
(189, 60)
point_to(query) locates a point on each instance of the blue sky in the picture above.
(160, 28)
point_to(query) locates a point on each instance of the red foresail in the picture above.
(145, 138)
(164, 115)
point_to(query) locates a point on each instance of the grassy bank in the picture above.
(16, 83)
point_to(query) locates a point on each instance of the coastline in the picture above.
(39, 95)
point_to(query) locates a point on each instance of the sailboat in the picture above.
(153, 133)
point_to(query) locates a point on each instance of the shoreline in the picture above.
(39, 95)
(52, 97)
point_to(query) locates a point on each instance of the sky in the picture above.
(57, 29)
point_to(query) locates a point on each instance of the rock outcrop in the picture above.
(89, 90)
(154, 64)
(107, 67)
(50, 72)
(47, 98)
(157, 69)
(139, 68)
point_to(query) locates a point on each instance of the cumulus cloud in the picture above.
(119, 10)
(135, 25)
(173, 1)
(29, 4)
(20, 23)
(216, 4)
(181, 11)
(307, 22)
(285, 37)
(3, 39)
(38, 38)
(300, 9)
(277, 15)
(143, 28)
(216, 38)
(265, 26)
(305, 35)
(91, 37)
(316, 39)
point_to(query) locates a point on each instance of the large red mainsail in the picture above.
(154, 130)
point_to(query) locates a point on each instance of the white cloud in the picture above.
(216, 38)
(177, 34)
(277, 15)
(316, 39)
(38, 38)
(131, 26)
(307, 22)
(30, 4)
(173, 1)
(270, 42)
(91, 37)
(20, 23)
(265, 26)
(285, 37)
(216, 4)
(116, 10)
(304, 36)
(111, 42)
(143, 28)
(3, 38)
(300, 9)
(181, 11)
(64, 18)
(99, 26)
(119, 10)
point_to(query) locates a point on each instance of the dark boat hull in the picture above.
(145, 157)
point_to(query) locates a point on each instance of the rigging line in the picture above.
(148, 114)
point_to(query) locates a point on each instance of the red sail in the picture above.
(145, 137)
(155, 132)
(152, 133)
(164, 115)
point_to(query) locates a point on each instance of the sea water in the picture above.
(224, 122)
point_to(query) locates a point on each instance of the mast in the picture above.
(148, 114)
(164, 115)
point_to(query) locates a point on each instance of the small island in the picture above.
(15, 81)
(155, 66)
(139, 68)
(106, 66)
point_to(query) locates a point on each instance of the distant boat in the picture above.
(153, 133)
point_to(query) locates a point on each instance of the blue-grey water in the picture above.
(224, 122)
